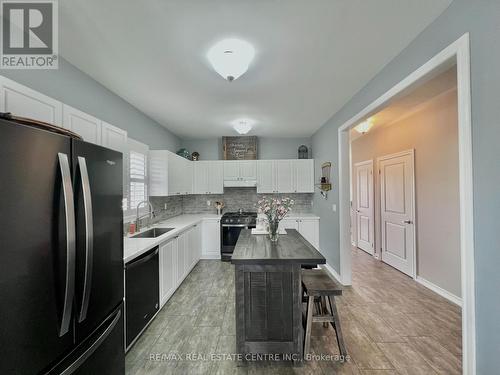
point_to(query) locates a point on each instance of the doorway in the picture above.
(455, 54)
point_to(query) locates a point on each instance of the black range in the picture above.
(231, 225)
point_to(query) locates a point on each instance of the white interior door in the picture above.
(364, 206)
(397, 202)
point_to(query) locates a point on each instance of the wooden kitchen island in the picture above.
(268, 294)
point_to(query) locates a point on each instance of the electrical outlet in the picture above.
(165, 206)
(334, 207)
(209, 203)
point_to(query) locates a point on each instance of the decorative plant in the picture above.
(275, 210)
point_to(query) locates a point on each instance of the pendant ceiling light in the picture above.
(231, 57)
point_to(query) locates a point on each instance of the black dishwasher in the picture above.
(141, 293)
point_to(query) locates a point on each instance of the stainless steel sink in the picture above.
(152, 233)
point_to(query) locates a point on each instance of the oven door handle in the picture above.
(235, 225)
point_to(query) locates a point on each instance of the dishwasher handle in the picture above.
(142, 260)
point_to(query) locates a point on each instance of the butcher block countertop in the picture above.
(291, 248)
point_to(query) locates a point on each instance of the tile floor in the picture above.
(391, 324)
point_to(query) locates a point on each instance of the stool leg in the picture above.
(307, 340)
(336, 325)
(324, 310)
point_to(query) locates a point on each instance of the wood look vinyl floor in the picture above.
(391, 325)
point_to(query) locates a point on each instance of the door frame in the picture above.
(372, 214)
(410, 152)
(456, 53)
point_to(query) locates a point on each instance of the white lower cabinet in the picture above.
(210, 239)
(307, 227)
(168, 270)
(178, 256)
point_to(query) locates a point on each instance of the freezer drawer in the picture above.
(141, 293)
(101, 353)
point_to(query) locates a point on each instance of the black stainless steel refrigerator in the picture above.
(61, 254)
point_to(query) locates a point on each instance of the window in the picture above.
(136, 178)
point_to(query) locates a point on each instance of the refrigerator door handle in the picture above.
(92, 348)
(69, 209)
(89, 238)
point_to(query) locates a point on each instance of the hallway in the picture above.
(402, 329)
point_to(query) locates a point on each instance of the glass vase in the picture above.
(273, 230)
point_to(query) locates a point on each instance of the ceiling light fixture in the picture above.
(231, 57)
(364, 127)
(242, 126)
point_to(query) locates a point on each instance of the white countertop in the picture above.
(134, 247)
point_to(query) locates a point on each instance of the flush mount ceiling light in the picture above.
(243, 126)
(364, 127)
(231, 57)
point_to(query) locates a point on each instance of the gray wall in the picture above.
(433, 133)
(267, 147)
(71, 86)
(481, 20)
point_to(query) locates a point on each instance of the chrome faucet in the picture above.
(150, 214)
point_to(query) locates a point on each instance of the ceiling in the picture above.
(311, 56)
(412, 101)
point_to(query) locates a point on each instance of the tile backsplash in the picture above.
(233, 198)
(236, 198)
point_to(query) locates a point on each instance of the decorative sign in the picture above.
(239, 148)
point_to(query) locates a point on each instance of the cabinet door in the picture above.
(248, 170)
(211, 239)
(113, 137)
(231, 170)
(304, 175)
(87, 126)
(182, 258)
(175, 181)
(168, 275)
(309, 229)
(25, 102)
(216, 177)
(266, 176)
(284, 176)
(158, 173)
(200, 177)
(187, 176)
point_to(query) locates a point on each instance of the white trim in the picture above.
(210, 256)
(410, 152)
(458, 52)
(442, 292)
(333, 274)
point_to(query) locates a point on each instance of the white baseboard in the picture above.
(437, 289)
(332, 272)
(210, 256)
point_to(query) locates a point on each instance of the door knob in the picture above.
(407, 222)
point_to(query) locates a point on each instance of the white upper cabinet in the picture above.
(285, 173)
(25, 102)
(215, 177)
(265, 176)
(285, 176)
(169, 174)
(113, 137)
(240, 173)
(83, 124)
(248, 170)
(200, 177)
(158, 173)
(231, 170)
(304, 175)
(208, 177)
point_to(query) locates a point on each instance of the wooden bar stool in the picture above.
(319, 289)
